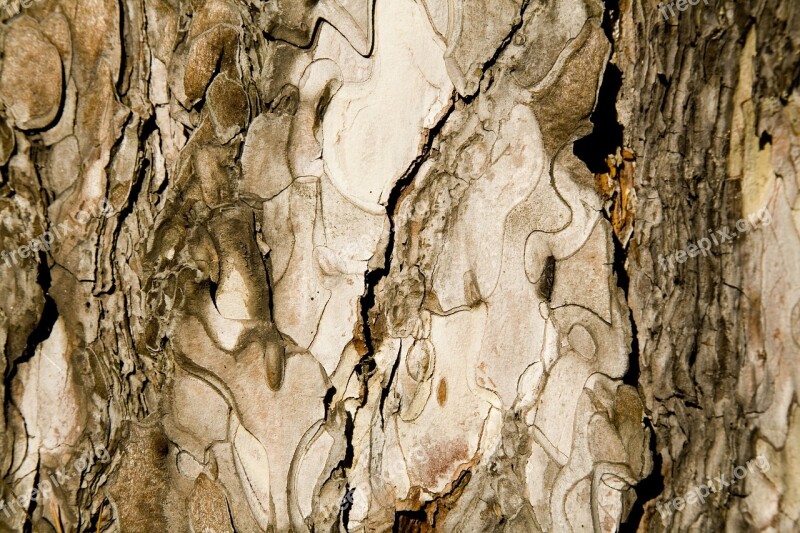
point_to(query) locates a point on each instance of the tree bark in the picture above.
(709, 104)
(407, 265)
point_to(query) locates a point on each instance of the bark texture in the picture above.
(709, 102)
(399, 265)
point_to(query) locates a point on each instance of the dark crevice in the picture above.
(487, 66)
(604, 140)
(623, 282)
(652, 485)
(387, 386)
(347, 461)
(49, 312)
(606, 136)
(410, 522)
(212, 291)
(123, 79)
(373, 277)
(32, 503)
(345, 507)
(43, 328)
(367, 364)
(149, 127)
(764, 140)
(647, 489)
(544, 287)
(610, 19)
(326, 401)
(692, 355)
(46, 322)
(266, 261)
(94, 519)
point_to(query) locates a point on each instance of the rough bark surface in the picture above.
(399, 265)
(710, 104)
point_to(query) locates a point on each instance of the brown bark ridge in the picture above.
(709, 103)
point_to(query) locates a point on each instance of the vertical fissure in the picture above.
(595, 150)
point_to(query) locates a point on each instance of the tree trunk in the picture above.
(407, 265)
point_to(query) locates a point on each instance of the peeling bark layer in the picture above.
(374, 265)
